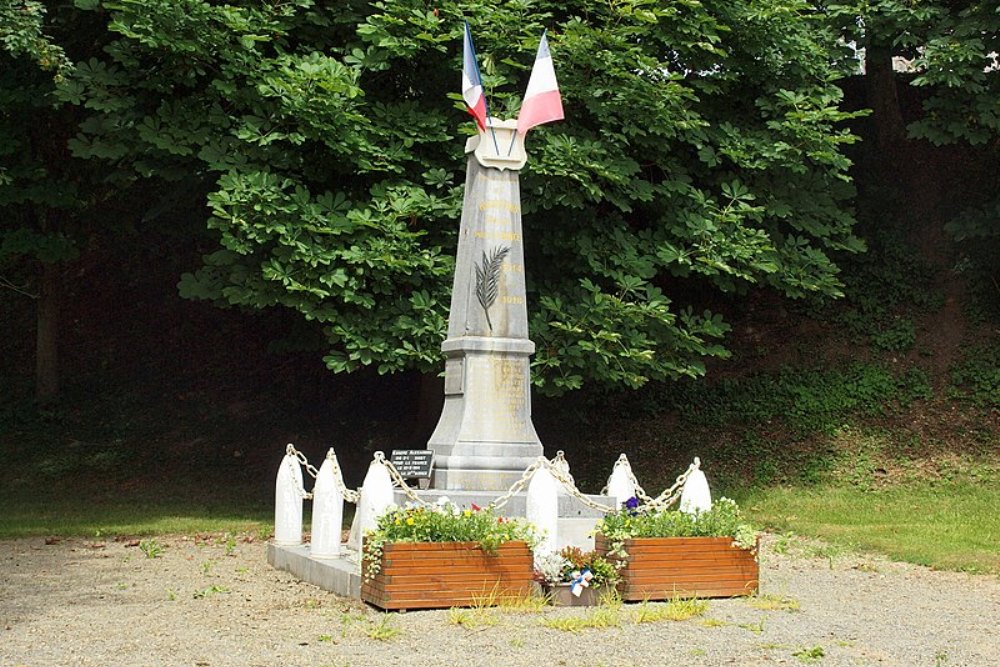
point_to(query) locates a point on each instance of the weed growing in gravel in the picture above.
(603, 616)
(325, 638)
(529, 604)
(151, 548)
(171, 595)
(783, 544)
(756, 628)
(208, 592)
(713, 623)
(807, 655)
(383, 629)
(771, 602)
(675, 610)
(206, 567)
(476, 617)
(940, 659)
(770, 646)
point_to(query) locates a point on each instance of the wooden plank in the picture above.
(419, 549)
(694, 559)
(444, 599)
(403, 583)
(639, 594)
(459, 567)
(447, 562)
(439, 575)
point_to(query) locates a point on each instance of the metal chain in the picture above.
(349, 495)
(519, 485)
(673, 494)
(556, 467)
(290, 449)
(640, 493)
(397, 479)
(557, 471)
(295, 477)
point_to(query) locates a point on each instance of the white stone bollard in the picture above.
(543, 509)
(328, 510)
(620, 484)
(696, 496)
(376, 496)
(288, 492)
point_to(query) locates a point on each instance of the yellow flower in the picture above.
(397, 522)
(467, 513)
(409, 521)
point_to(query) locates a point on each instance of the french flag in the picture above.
(472, 83)
(542, 103)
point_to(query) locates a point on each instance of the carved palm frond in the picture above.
(488, 279)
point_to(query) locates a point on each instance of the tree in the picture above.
(701, 151)
(951, 49)
(36, 190)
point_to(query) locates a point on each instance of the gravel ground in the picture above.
(205, 603)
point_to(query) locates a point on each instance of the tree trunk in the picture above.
(47, 347)
(880, 84)
(430, 401)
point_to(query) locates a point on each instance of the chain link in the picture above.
(290, 449)
(559, 472)
(558, 467)
(397, 479)
(296, 475)
(673, 494)
(349, 495)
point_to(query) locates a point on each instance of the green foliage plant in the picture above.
(724, 519)
(703, 148)
(151, 548)
(443, 522)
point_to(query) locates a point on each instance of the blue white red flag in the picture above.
(542, 102)
(472, 83)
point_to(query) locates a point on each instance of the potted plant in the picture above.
(663, 554)
(440, 555)
(575, 578)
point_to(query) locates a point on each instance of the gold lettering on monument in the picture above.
(499, 203)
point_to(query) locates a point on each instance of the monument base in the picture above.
(342, 575)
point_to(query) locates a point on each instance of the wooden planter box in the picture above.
(434, 575)
(660, 568)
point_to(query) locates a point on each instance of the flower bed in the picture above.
(441, 556)
(661, 568)
(666, 554)
(434, 575)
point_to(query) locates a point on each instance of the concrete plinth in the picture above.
(340, 575)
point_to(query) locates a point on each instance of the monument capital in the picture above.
(499, 147)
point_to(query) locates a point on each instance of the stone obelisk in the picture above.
(485, 438)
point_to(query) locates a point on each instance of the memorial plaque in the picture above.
(413, 463)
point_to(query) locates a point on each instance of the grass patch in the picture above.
(677, 609)
(149, 514)
(383, 629)
(603, 616)
(951, 525)
(770, 602)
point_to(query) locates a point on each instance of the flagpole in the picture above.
(479, 75)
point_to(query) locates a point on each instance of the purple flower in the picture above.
(632, 503)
